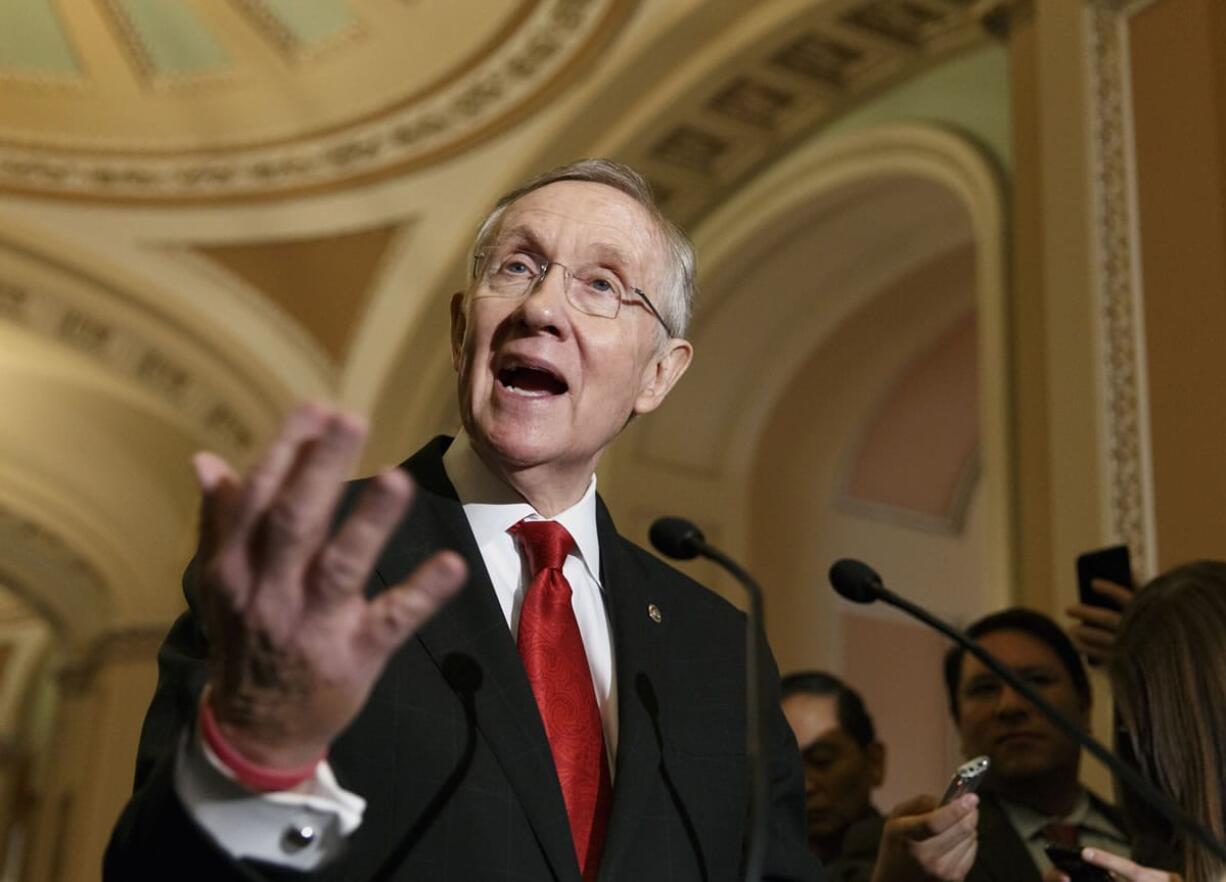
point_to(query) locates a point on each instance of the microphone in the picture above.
(676, 538)
(679, 539)
(856, 581)
(859, 583)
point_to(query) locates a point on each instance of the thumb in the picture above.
(219, 494)
(915, 805)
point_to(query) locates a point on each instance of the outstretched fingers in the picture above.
(343, 566)
(297, 519)
(395, 614)
(264, 482)
(220, 492)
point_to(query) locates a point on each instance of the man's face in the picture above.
(996, 721)
(541, 383)
(839, 774)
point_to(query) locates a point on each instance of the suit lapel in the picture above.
(1003, 857)
(472, 630)
(640, 683)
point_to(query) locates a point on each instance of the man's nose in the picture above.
(545, 304)
(1011, 703)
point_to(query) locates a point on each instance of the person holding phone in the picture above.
(1168, 676)
(1104, 589)
(1031, 797)
(920, 841)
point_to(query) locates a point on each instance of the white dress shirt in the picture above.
(303, 827)
(1096, 831)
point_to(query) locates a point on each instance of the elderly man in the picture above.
(497, 686)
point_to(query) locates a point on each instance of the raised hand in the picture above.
(295, 646)
(924, 841)
(1095, 635)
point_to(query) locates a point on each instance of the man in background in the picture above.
(1031, 797)
(844, 762)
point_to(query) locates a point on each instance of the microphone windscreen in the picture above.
(676, 538)
(855, 580)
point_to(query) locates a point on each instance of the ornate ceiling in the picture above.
(143, 99)
(210, 209)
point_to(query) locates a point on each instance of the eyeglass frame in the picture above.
(547, 263)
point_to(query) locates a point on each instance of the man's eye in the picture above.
(603, 285)
(1041, 679)
(516, 266)
(978, 690)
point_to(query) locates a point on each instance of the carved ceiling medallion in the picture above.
(130, 100)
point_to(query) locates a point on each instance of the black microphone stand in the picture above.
(681, 540)
(875, 590)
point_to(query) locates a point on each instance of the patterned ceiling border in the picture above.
(798, 80)
(78, 583)
(124, 349)
(1130, 492)
(532, 64)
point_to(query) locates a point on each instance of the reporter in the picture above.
(1168, 675)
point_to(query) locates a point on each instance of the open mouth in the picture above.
(532, 381)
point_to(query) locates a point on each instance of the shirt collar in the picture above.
(1028, 823)
(493, 507)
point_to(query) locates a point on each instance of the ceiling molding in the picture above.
(750, 104)
(341, 137)
(160, 356)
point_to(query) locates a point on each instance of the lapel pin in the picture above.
(654, 612)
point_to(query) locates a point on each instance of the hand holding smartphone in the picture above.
(1069, 862)
(1109, 564)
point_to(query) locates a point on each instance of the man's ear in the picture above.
(662, 373)
(876, 762)
(459, 326)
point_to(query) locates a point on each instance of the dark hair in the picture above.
(1168, 674)
(1030, 622)
(849, 707)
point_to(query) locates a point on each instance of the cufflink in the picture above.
(653, 612)
(298, 836)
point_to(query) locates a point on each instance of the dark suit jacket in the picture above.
(1002, 856)
(452, 758)
(858, 851)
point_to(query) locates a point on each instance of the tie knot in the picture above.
(546, 543)
(1062, 834)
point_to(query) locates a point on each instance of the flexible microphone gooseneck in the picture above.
(858, 582)
(681, 540)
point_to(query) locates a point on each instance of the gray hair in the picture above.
(678, 300)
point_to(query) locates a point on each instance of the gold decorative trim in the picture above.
(523, 67)
(59, 561)
(121, 347)
(804, 75)
(1130, 492)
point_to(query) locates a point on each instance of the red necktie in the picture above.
(552, 649)
(1062, 834)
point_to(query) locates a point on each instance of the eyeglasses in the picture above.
(592, 290)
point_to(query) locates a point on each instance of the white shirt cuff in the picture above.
(301, 828)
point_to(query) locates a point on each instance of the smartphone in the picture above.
(1068, 861)
(966, 779)
(1111, 564)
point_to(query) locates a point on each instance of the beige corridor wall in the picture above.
(1179, 107)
